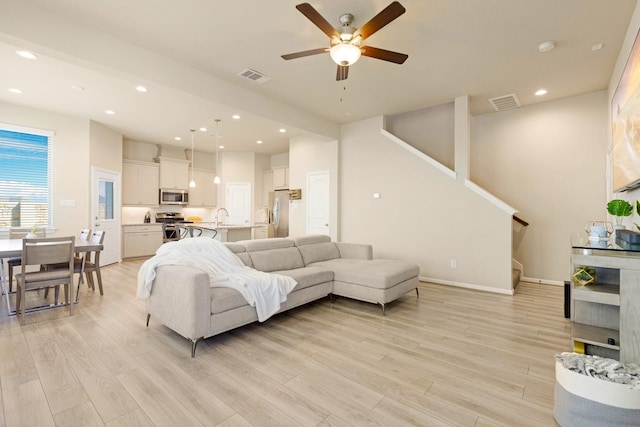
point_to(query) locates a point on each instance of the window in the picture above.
(25, 162)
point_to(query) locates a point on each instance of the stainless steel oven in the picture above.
(174, 197)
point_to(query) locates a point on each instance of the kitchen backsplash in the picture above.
(135, 214)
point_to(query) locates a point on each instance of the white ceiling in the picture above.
(188, 53)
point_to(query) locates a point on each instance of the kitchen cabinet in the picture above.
(174, 173)
(141, 240)
(261, 231)
(267, 187)
(281, 179)
(604, 313)
(205, 193)
(140, 183)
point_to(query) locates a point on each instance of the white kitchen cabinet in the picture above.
(267, 187)
(174, 173)
(281, 179)
(141, 240)
(140, 183)
(261, 232)
(205, 193)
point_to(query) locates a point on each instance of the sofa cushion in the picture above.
(266, 244)
(224, 299)
(319, 252)
(240, 251)
(373, 273)
(276, 259)
(310, 239)
(307, 276)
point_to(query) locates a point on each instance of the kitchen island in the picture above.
(229, 232)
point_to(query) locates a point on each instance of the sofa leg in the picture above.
(148, 317)
(194, 343)
(417, 293)
(384, 311)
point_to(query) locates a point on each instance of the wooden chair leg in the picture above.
(10, 277)
(99, 276)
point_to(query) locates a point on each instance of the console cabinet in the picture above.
(605, 316)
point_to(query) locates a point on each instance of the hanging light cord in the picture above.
(192, 183)
(217, 180)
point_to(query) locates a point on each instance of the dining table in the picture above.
(10, 248)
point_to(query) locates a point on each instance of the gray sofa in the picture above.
(183, 300)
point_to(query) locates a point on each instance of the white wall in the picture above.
(105, 150)
(70, 162)
(310, 153)
(430, 130)
(548, 161)
(422, 216)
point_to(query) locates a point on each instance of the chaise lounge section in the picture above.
(182, 298)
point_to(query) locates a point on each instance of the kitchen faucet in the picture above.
(226, 212)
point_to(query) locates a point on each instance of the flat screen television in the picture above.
(625, 124)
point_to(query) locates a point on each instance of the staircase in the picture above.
(515, 277)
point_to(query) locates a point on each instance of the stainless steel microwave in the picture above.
(174, 197)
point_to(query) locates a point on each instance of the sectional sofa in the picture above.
(183, 300)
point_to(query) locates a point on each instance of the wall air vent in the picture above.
(254, 76)
(506, 102)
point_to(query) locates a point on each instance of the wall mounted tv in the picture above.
(625, 124)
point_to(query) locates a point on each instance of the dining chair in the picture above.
(85, 234)
(92, 261)
(53, 250)
(15, 261)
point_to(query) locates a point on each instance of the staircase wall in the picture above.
(422, 215)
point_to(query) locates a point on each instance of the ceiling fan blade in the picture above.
(305, 53)
(343, 72)
(312, 15)
(387, 15)
(385, 55)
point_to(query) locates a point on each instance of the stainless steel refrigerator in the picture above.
(279, 213)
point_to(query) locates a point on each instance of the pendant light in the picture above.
(192, 183)
(217, 179)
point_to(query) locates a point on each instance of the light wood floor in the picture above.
(452, 357)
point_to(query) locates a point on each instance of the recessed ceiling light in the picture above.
(110, 112)
(236, 117)
(597, 46)
(220, 146)
(142, 89)
(15, 90)
(541, 92)
(283, 130)
(26, 54)
(78, 88)
(203, 129)
(177, 138)
(546, 46)
(258, 142)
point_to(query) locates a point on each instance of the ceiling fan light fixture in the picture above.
(345, 54)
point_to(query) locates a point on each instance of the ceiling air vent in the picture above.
(253, 75)
(505, 102)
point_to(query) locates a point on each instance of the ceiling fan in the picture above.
(346, 41)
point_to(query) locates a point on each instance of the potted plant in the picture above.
(619, 208)
(33, 233)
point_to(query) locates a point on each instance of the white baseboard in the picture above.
(466, 285)
(542, 281)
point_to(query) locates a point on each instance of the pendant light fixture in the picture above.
(217, 179)
(192, 183)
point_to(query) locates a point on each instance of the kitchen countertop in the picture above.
(200, 224)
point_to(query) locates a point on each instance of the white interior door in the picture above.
(105, 212)
(238, 203)
(318, 202)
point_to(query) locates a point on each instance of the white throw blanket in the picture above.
(264, 291)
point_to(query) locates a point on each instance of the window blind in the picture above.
(25, 196)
